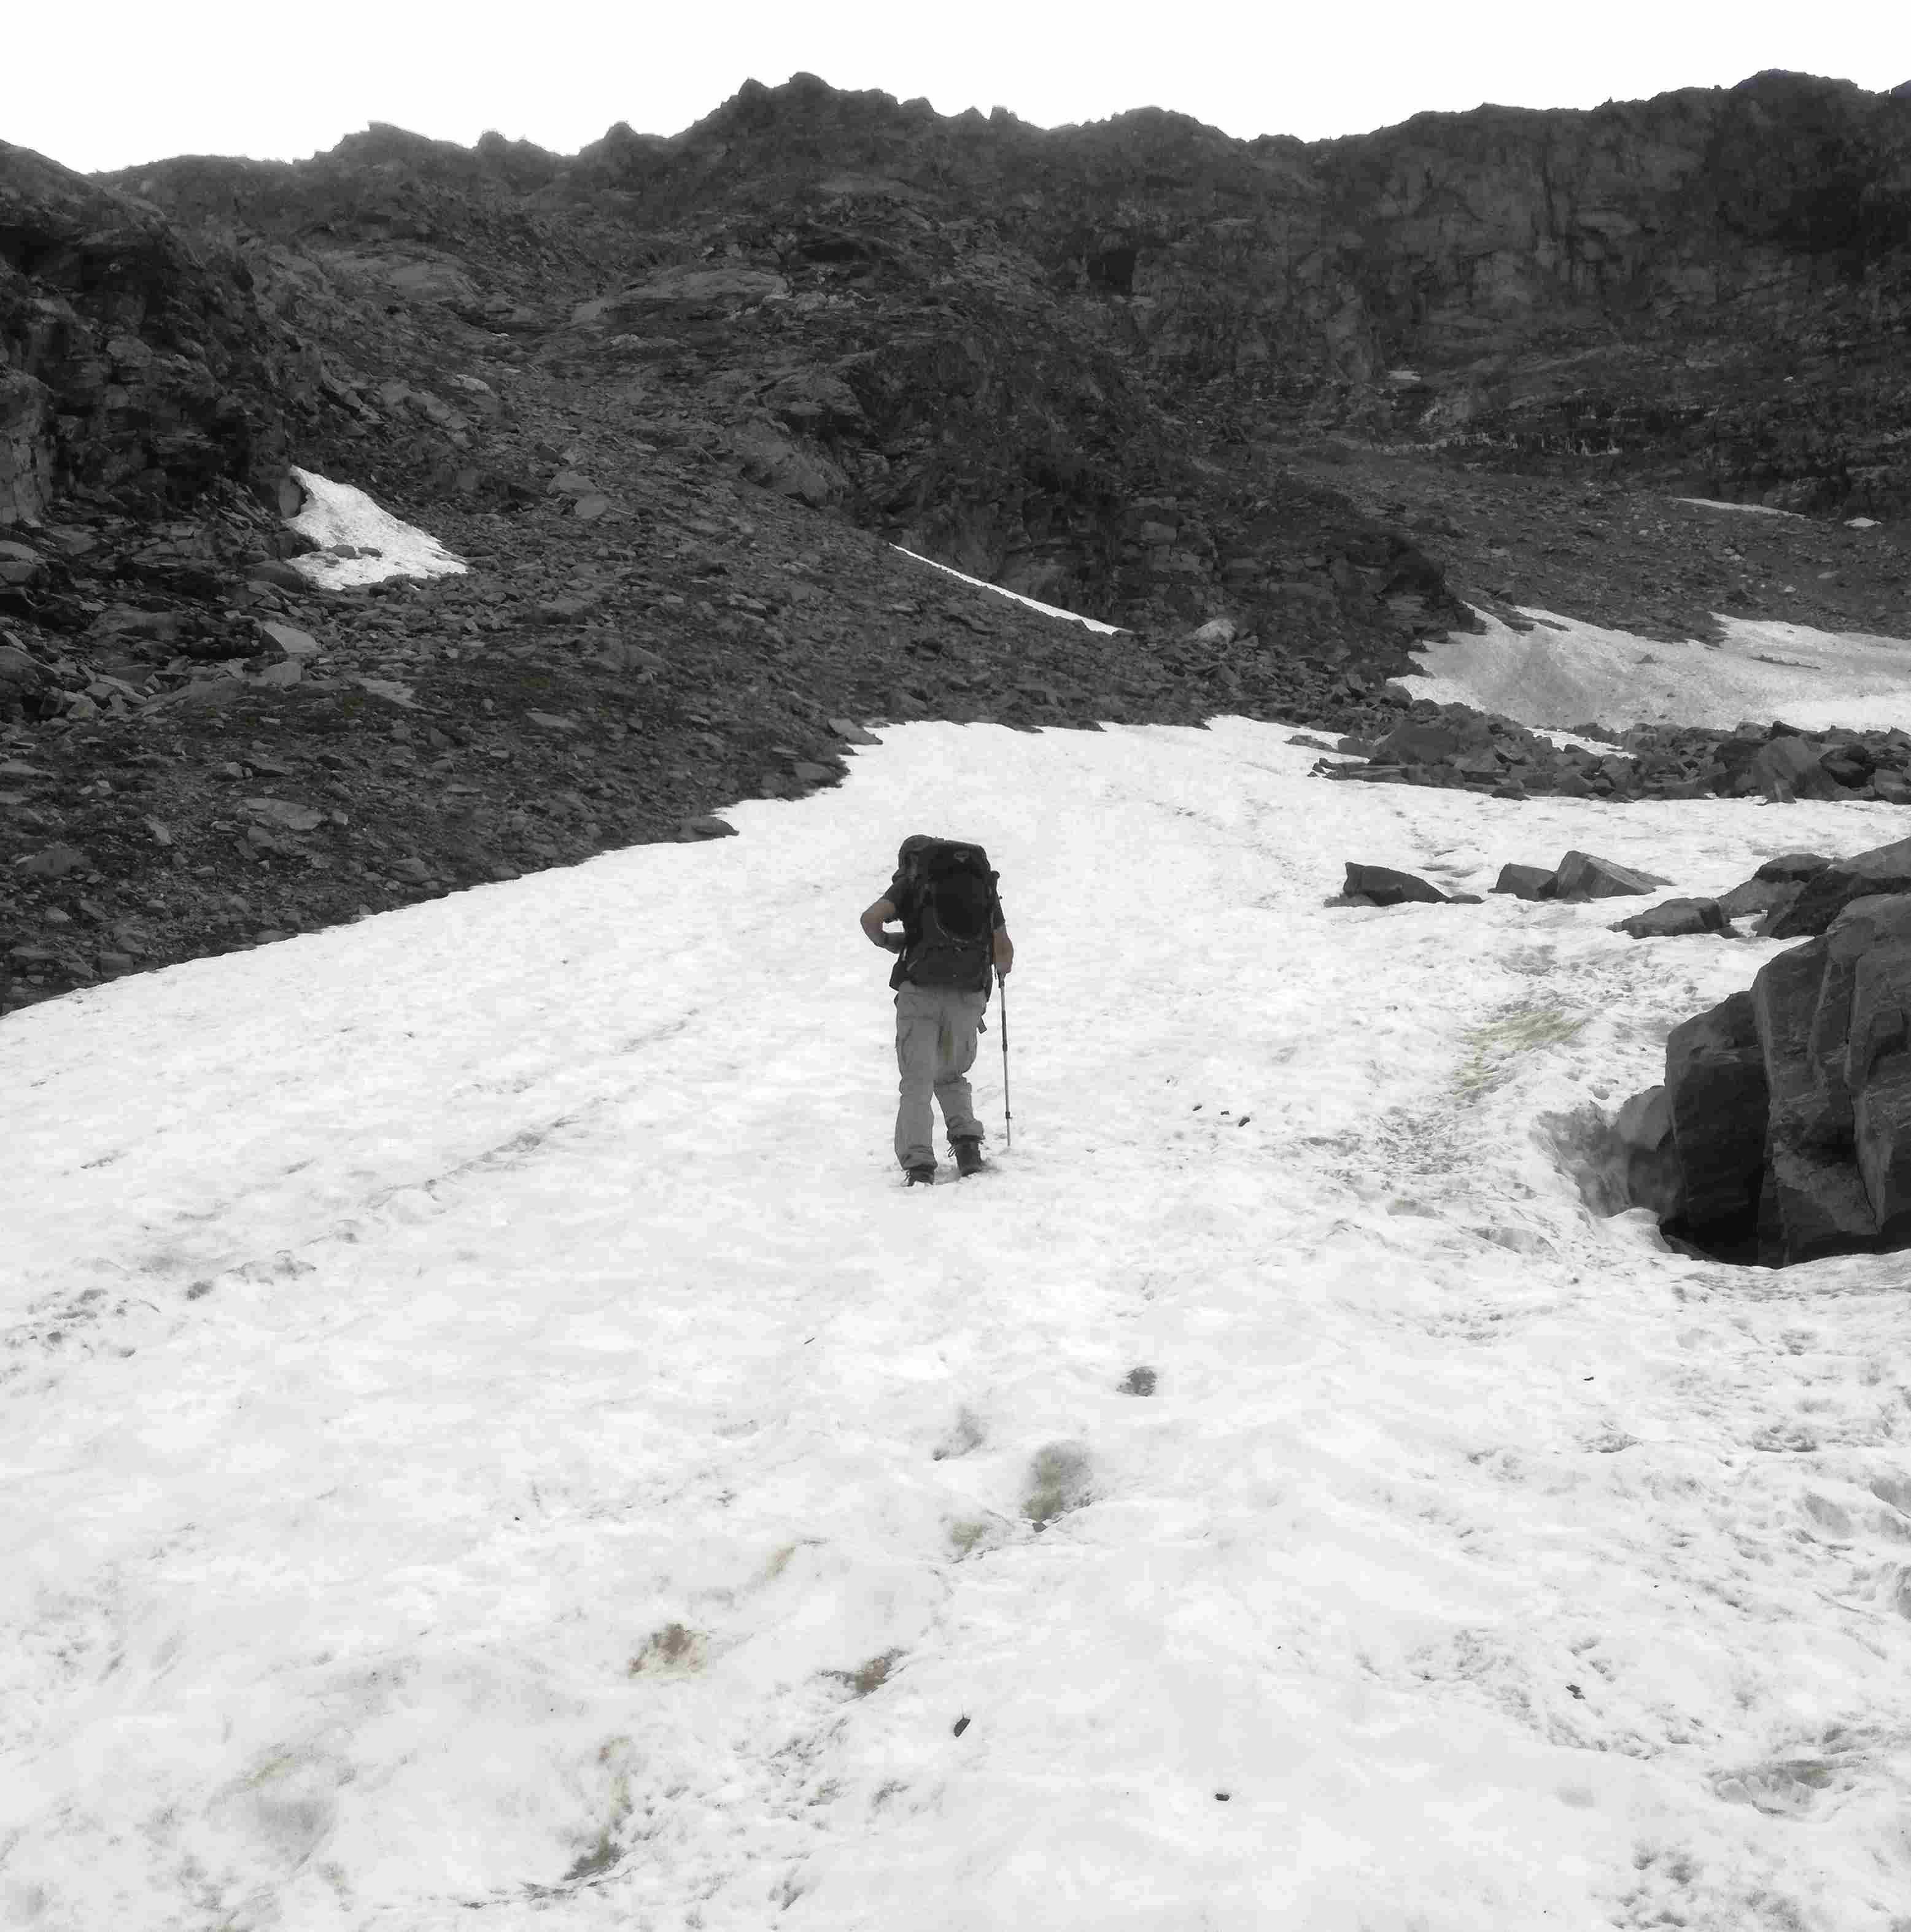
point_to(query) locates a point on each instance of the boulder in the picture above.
(294, 642)
(52, 862)
(18, 564)
(1415, 744)
(20, 673)
(1877, 1070)
(1826, 892)
(1790, 1104)
(1788, 768)
(1582, 876)
(1675, 919)
(1800, 1104)
(1716, 1095)
(1756, 895)
(1812, 1205)
(1792, 869)
(1381, 885)
(1644, 1133)
(1850, 765)
(1526, 882)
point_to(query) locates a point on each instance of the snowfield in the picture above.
(338, 516)
(1565, 672)
(491, 1443)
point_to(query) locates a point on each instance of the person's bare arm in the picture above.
(1004, 950)
(875, 918)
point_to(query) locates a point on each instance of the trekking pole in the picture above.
(1008, 1131)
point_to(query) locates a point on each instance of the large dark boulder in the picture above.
(1793, 868)
(1675, 919)
(1716, 1093)
(1764, 896)
(1812, 1205)
(1791, 768)
(1877, 1066)
(1790, 1104)
(1383, 885)
(1526, 882)
(1582, 876)
(1883, 869)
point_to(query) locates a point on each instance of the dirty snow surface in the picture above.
(492, 1444)
(1565, 672)
(338, 516)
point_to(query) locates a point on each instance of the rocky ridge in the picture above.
(675, 400)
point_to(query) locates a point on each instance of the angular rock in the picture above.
(707, 827)
(1792, 768)
(1675, 919)
(1880, 869)
(52, 862)
(283, 812)
(1793, 868)
(1717, 1095)
(1756, 895)
(1850, 765)
(1884, 915)
(1381, 885)
(1882, 1136)
(1526, 882)
(1582, 876)
(1413, 744)
(21, 672)
(1646, 1121)
(1812, 1205)
(1650, 1176)
(18, 564)
(1878, 1020)
(1784, 1001)
(293, 641)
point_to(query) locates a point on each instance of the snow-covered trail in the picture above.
(491, 1441)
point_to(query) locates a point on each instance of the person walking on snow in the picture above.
(943, 896)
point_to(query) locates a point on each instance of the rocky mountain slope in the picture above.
(1279, 411)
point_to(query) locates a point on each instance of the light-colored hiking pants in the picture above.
(935, 1029)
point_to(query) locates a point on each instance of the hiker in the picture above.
(944, 895)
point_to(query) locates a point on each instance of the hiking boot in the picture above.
(968, 1156)
(923, 1174)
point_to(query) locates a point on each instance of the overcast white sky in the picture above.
(114, 83)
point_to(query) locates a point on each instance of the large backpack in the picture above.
(952, 940)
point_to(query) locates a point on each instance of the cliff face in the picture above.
(133, 361)
(1713, 286)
